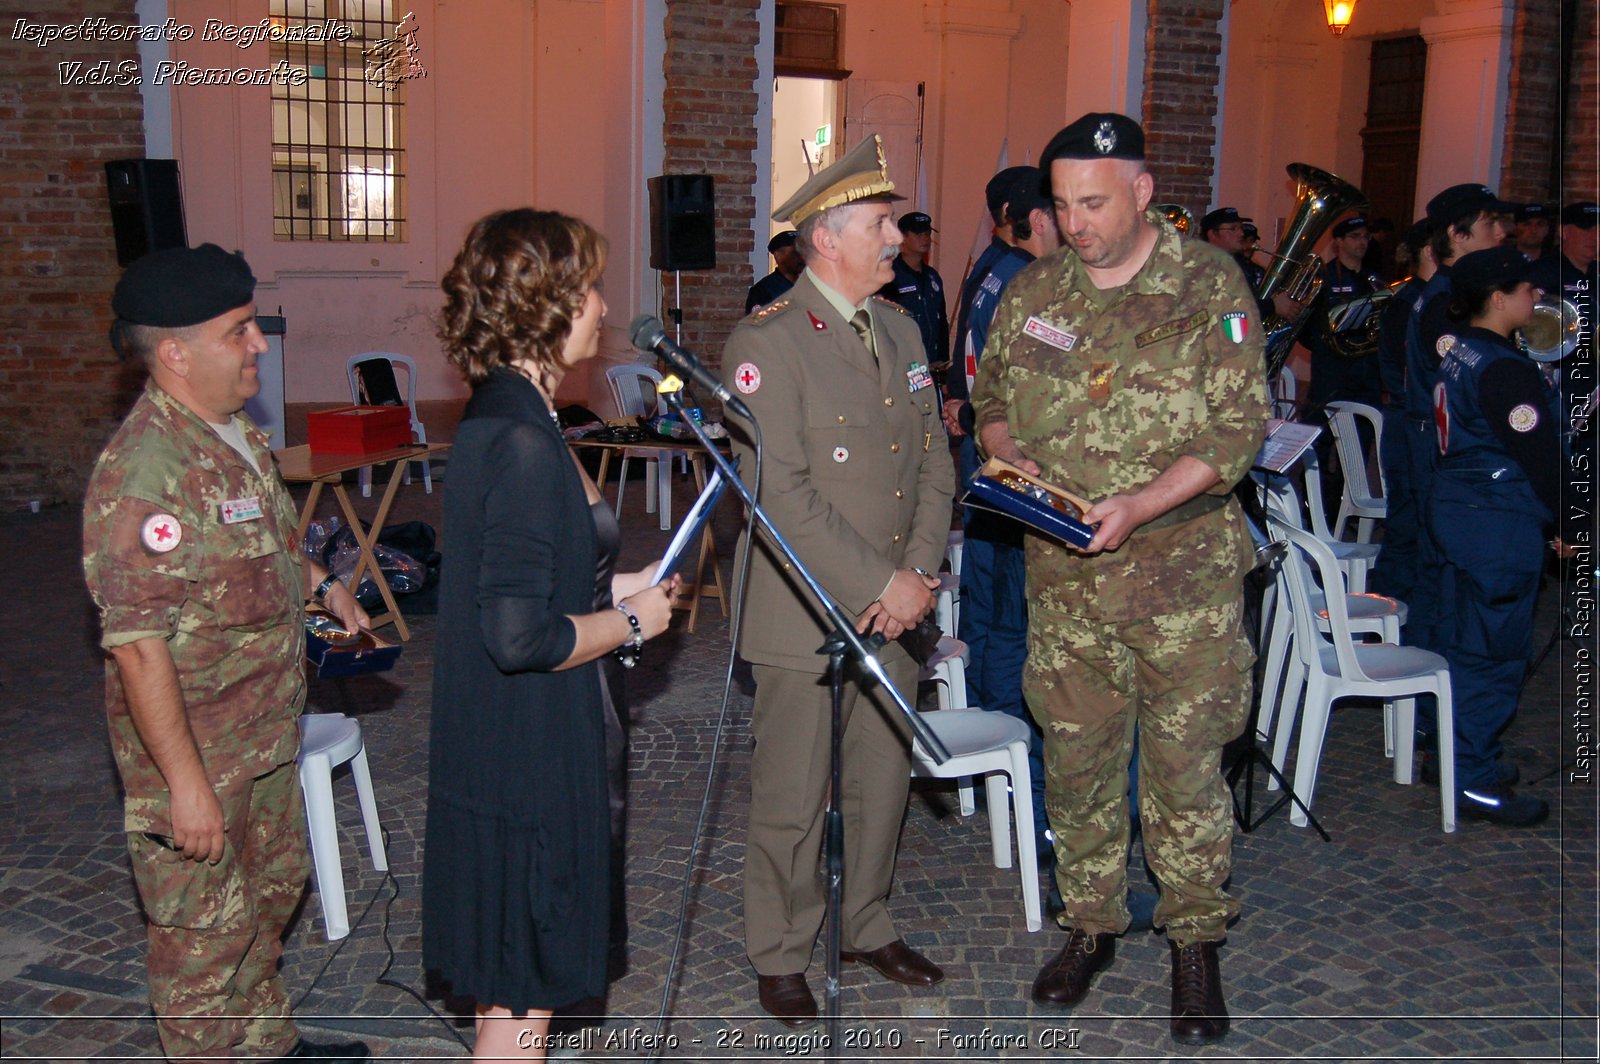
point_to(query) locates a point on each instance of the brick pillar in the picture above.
(710, 110)
(1183, 40)
(1525, 171)
(61, 389)
(1579, 177)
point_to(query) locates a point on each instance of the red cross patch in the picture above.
(747, 378)
(161, 533)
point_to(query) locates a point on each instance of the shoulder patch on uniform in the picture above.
(770, 311)
(892, 303)
(1523, 418)
(160, 533)
(1445, 344)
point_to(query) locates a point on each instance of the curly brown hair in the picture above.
(517, 283)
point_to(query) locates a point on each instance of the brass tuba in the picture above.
(1552, 333)
(1353, 325)
(1296, 270)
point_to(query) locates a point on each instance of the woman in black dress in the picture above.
(516, 874)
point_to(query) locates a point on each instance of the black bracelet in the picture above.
(628, 652)
(321, 593)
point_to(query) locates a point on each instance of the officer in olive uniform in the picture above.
(857, 476)
(192, 559)
(1131, 372)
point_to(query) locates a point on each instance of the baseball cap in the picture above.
(1220, 217)
(1460, 201)
(1582, 214)
(1349, 225)
(1529, 211)
(1490, 268)
(780, 241)
(916, 222)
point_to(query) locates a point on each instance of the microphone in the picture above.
(650, 335)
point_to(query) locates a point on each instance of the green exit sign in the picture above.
(824, 136)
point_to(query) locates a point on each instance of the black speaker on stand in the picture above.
(146, 206)
(683, 231)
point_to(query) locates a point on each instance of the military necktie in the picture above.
(862, 324)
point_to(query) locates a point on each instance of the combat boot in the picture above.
(1065, 980)
(1199, 1016)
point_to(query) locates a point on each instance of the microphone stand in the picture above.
(842, 643)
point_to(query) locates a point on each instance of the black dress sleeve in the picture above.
(520, 623)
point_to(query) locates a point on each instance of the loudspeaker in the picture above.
(146, 206)
(683, 222)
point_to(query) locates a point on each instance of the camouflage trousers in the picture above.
(215, 931)
(1184, 679)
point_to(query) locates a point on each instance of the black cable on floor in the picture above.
(382, 978)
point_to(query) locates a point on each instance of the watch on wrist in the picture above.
(628, 652)
(321, 593)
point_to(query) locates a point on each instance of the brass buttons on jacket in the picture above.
(894, 448)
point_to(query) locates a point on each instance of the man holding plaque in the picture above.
(856, 474)
(1130, 372)
(192, 559)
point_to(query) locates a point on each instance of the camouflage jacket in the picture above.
(183, 541)
(1106, 390)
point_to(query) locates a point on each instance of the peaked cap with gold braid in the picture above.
(860, 175)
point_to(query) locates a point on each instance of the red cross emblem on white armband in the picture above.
(747, 378)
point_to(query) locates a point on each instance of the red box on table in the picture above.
(358, 429)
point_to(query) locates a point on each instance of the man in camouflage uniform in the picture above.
(1131, 372)
(191, 557)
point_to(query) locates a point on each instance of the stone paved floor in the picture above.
(1394, 941)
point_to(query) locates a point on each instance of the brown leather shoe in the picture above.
(1065, 980)
(788, 998)
(899, 962)
(1199, 1016)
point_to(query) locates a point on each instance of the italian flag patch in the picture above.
(1236, 325)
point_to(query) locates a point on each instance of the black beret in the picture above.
(178, 287)
(1097, 135)
(1490, 268)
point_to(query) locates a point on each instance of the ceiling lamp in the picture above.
(1339, 12)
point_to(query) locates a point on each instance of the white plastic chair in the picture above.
(995, 746)
(372, 383)
(1338, 667)
(1368, 614)
(1358, 502)
(629, 384)
(947, 669)
(947, 606)
(954, 545)
(1282, 389)
(1279, 497)
(328, 740)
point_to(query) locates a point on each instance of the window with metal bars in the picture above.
(338, 156)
